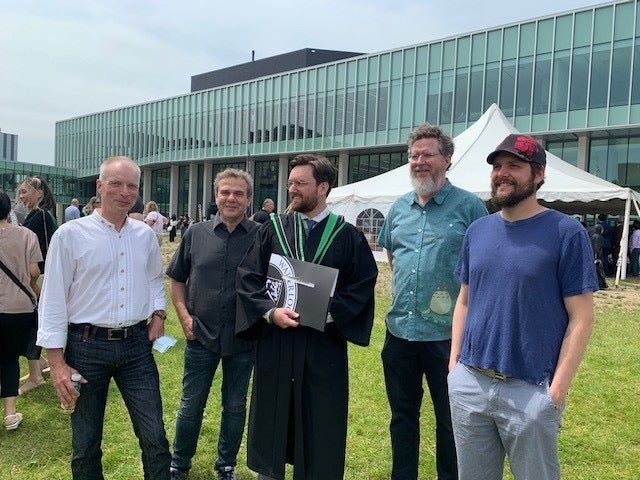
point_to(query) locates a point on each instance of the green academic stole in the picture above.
(331, 229)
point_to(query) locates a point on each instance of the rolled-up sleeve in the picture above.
(53, 316)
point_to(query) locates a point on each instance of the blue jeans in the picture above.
(635, 262)
(200, 365)
(405, 364)
(493, 417)
(131, 364)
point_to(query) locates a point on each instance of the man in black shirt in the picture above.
(203, 291)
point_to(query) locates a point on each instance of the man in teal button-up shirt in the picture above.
(422, 233)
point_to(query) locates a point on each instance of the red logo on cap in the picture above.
(526, 146)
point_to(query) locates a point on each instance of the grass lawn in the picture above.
(600, 438)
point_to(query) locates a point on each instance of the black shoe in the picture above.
(225, 473)
(177, 474)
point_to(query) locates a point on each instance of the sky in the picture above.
(61, 59)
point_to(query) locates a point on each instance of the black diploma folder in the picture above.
(304, 287)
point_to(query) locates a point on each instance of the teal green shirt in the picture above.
(425, 243)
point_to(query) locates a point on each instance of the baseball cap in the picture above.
(522, 146)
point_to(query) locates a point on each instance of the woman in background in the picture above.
(92, 204)
(173, 227)
(20, 253)
(35, 194)
(154, 219)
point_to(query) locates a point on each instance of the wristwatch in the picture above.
(159, 313)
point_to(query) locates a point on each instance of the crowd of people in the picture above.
(606, 236)
(497, 340)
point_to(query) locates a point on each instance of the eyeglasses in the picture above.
(415, 157)
(297, 183)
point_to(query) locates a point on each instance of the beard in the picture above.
(424, 187)
(517, 195)
(304, 204)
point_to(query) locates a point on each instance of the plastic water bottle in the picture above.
(75, 379)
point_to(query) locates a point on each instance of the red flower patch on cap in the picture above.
(526, 146)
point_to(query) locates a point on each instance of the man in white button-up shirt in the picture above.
(103, 281)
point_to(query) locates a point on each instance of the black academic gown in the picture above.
(299, 399)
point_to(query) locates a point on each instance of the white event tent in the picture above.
(567, 188)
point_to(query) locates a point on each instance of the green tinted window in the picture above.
(409, 61)
(582, 29)
(463, 52)
(544, 41)
(479, 42)
(623, 28)
(602, 26)
(527, 39)
(435, 57)
(422, 55)
(510, 43)
(493, 46)
(563, 32)
(448, 59)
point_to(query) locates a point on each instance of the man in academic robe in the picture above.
(299, 401)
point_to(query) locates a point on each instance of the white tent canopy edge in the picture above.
(567, 188)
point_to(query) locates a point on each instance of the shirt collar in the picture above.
(318, 218)
(245, 223)
(100, 219)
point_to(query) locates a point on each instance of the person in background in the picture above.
(634, 249)
(607, 241)
(300, 392)
(521, 324)
(184, 224)
(596, 242)
(36, 196)
(137, 211)
(422, 233)
(262, 215)
(154, 219)
(203, 290)
(173, 228)
(101, 334)
(72, 212)
(20, 254)
(92, 204)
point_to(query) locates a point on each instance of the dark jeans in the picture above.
(15, 329)
(131, 364)
(200, 365)
(405, 363)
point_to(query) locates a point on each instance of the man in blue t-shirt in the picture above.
(521, 323)
(422, 233)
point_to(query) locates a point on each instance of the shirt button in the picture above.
(411, 292)
(121, 305)
(121, 253)
(413, 270)
(122, 289)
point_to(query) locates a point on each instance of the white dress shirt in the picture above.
(97, 275)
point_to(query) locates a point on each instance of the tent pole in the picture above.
(621, 273)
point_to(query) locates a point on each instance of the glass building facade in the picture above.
(64, 182)
(571, 79)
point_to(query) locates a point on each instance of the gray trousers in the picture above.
(494, 417)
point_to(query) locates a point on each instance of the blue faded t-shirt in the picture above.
(425, 242)
(519, 274)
